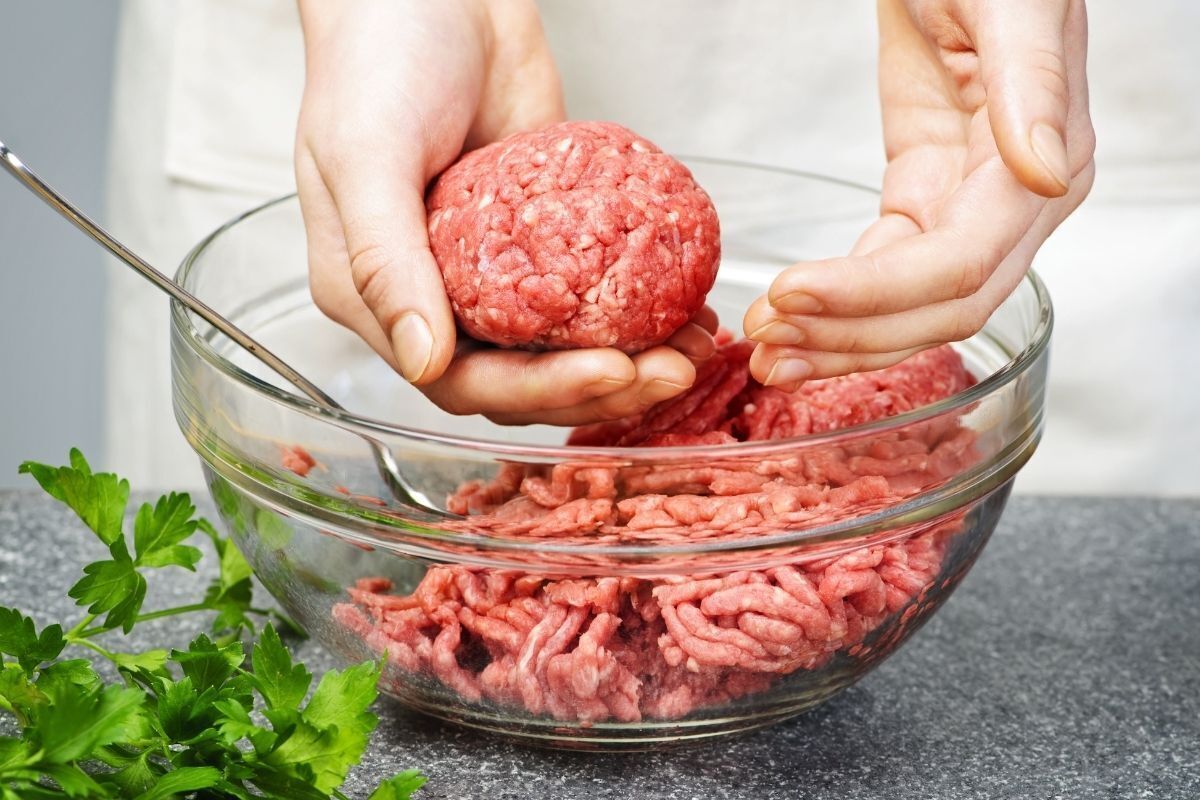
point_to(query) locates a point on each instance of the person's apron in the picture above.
(208, 91)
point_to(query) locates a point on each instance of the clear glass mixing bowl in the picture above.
(630, 640)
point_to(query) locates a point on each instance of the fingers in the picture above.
(329, 278)
(661, 373)
(826, 339)
(1023, 61)
(1081, 137)
(706, 318)
(694, 342)
(789, 367)
(488, 380)
(573, 387)
(979, 224)
(523, 89)
(380, 204)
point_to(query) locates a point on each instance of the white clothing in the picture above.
(208, 90)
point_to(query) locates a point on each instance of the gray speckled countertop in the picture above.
(1066, 666)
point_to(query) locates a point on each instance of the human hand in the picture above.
(989, 146)
(395, 91)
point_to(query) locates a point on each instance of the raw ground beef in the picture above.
(581, 234)
(626, 648)
(298, 460)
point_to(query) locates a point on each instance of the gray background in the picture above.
(55, 85)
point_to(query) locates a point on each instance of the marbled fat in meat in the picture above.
(581, 234)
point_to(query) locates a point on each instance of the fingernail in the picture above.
(798, 303)
(787, 371)
(1048, 146)
(658, 390)
(778, 332)
(413, 342)
(603, 387)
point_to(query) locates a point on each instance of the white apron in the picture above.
(207, 94)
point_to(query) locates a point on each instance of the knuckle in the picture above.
(849, 340)
(1050, 72)
(973, 274)
(968, 320)
(866, 275)
(370, 268)
(979, 260)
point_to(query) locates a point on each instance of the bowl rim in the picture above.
(182, 322)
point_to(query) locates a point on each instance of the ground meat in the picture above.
(609, 648)
(581, 234)
(297, 459)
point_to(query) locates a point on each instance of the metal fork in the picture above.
(385, 462)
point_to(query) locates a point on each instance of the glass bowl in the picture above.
(613, 636)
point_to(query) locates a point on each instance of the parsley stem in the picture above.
(110, 655)
(170, 612)
(162, 612)
(80, 629)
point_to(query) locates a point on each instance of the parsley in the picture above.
(205, 722)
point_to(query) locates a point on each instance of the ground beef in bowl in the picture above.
(628, 648)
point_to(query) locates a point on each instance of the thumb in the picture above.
(382, 210)
(1023, 64)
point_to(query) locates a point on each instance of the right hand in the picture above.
(395, 91)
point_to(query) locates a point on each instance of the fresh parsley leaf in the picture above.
(332, 731)
(149, 661)
(19, 638)
(163, 736)
(207, 664)
(321, 756)
(77, 720)
(181, 715)
(399, 787)
(281, 683)
(294, 783)
(15, 755)
(182, 780)
(343, 697)
(235, 724)
(112, 586)
(98, 498)
(158, 531)
(18, 695)
(233, 565)
(77, 672)
(73, 781)
(137, 776)
(230, 592)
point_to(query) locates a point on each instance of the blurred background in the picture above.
(57, 59)
(1119, 419)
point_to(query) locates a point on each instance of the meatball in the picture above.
(581, 234)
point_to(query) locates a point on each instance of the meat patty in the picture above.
(582, 234)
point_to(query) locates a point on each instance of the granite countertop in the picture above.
(1066, 666)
